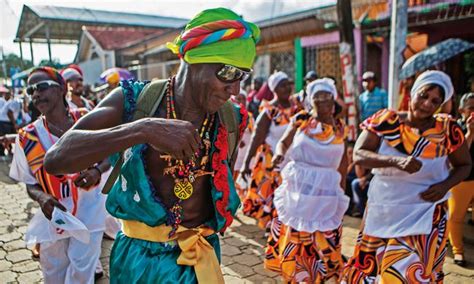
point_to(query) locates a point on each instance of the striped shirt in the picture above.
(371, 102)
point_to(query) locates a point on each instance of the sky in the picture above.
(10, 12)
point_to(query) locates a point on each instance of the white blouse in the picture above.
(310, 197)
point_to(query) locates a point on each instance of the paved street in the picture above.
(242, 246)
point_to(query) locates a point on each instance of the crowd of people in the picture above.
(176, 157)
(396, 176)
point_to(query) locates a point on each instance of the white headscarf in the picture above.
(323, 84)
(434, 77)
(275, 79)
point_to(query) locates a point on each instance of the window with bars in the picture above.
(283, 61)
(325, 61)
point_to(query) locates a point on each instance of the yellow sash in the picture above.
(195, 249)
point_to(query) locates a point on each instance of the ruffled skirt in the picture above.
(258, 202)
(310, 198)
(411, 259)
(302, 256)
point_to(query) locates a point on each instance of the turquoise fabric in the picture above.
(138, 261)
(371, 102)
(132, 198)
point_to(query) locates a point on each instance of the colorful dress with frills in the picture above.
(403, 237)
(258, 202)
(304, 242)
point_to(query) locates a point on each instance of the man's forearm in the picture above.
(34, 192)
(80, 149)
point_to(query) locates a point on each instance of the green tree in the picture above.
(13, 60)
(55, 63)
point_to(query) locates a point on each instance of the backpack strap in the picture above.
(147, 103)
(228, 118)
(149, 99)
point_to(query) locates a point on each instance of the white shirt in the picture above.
(2, 102)
(13, 105)
(91, 203)
(310, 197)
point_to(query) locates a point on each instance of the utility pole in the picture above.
(347, 56)
(398, 34)
(4, 66)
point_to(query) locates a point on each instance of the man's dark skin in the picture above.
(101, 133)
(51, 104)
(371, 84)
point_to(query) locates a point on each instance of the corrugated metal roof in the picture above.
(283, 19)
(106, 17)
(65, 24)
(111, 38)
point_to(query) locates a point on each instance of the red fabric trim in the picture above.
(244, 120)
(221, 175)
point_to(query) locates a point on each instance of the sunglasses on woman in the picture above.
(230, 74)
(41, 86)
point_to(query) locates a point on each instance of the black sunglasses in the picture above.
(230, 74)
(41, 86)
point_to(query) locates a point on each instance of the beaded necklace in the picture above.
(184, 174)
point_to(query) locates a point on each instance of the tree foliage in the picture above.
(14, 61)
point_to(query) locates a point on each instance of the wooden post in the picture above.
(21, 55)
(398, 34)
(31, 52)
(49, 44)
(347, 56)
(4, 66)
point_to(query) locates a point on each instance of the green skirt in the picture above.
(140, 261)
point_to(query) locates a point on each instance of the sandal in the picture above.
(459, 260)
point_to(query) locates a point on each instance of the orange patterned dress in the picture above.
(403, 238)
(258, 202)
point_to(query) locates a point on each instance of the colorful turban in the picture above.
(113, 78)
(434, 77)
(217, 36)
(52, 73)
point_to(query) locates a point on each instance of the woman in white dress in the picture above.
(415, 160)
(304, 242)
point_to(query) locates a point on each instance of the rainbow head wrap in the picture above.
(52, 73)
(217, 36)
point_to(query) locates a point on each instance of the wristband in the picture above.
(97, 168)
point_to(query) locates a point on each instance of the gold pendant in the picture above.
(183, 190)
